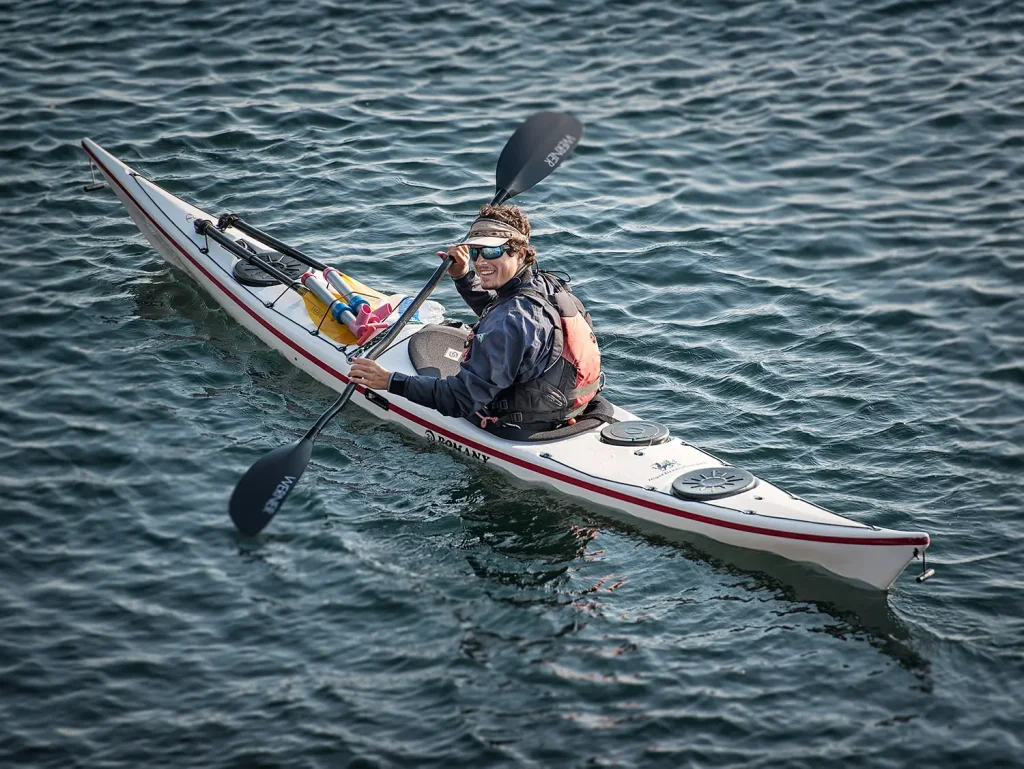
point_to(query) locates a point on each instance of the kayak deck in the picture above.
(639, 480)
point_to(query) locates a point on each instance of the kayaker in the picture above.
(531, 363)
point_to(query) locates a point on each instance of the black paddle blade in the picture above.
(266, 485)
(538, 147)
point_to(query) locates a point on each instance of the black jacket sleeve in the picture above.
(513, 344)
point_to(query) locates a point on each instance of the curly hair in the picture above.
(513, 216)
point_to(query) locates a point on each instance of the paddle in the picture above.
(540, 144)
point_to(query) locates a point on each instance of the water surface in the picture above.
(798, 228)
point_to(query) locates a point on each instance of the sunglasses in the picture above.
(488, 252)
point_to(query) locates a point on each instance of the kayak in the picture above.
(610, 457)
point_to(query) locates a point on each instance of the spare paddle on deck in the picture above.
(540, 144)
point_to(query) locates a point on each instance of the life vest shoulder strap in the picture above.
(554, 313)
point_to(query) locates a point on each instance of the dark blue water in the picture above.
(798, 227)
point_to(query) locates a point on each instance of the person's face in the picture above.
(495, 273)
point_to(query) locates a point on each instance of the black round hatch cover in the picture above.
(634, 433)
(712, 483)
(249, 274)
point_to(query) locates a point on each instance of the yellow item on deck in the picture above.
(330, 327)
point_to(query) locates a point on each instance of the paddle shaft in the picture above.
(382, 344)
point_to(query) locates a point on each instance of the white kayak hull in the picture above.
(636, 482)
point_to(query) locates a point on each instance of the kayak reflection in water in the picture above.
(531, 362)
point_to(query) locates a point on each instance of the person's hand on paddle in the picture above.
(369, 373)
(460, 260)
